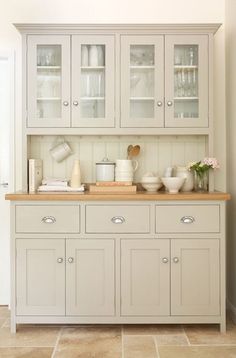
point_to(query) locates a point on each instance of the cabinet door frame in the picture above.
(128, 308)
(202, 121)
(178, 308)
(33, 41)
(22, 246)
(109, 120)
(86, 308)
(158, 119)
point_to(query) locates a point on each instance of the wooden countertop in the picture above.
(139, 195)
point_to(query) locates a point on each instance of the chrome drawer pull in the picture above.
(187, 219)
(118, 220)
(165, 260)
(48, 220)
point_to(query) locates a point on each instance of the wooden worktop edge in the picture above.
(140, 195)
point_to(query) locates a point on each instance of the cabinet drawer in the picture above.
(47, 219)
(117, 219)
(187, 218)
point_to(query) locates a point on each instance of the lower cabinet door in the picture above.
(40, 276)
(145, 277)
(90, 277)
(195, 277)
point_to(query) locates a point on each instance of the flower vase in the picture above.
(201, 181)
(75, 176)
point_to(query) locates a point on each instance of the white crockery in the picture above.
(151, 186)
(173, 184)
(126, 164)
(151, 180)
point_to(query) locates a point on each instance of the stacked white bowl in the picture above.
(150, 182)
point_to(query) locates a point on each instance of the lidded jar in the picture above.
(105, 170)
(183, 172)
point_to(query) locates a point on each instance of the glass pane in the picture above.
(142, 55)
(48, 81)
(142, 108)
(186, 101)
(142, 84)
(92, 85)
(92, 108)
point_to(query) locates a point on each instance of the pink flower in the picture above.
(211, 162)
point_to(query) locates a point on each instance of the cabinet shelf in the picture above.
(48, 67)
(142, 67)
(179, 67)
(142, 98)
(92, 67)
(48, 99)
(186, 98)
(92, 98)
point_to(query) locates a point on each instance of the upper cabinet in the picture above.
(48, 75)
(142, 81)
(59, 92)
(93, 71)
(186, 81)
(120, 79)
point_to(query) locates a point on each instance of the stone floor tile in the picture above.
(90, 342)
(139, 347)
(171, 340)
(210, 334)
(26, 352)
(4, 312)
(152, 329)
(29, 336)
(197, 352)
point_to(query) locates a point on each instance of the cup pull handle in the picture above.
(118, 220)
(48, 220)
(187, 219)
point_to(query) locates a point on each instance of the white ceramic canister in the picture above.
(183, 172)
(105, 170)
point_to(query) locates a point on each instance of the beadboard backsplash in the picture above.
(157, 153)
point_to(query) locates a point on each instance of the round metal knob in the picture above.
(75, 103)
(169, 103)
(60, 260)
(165, 260)
(175, 260)
(70, 260)
(66, 103)
(159, 103)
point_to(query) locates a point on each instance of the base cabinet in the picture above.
(145, 273)
(40, 276)
(47, 267)
(90, 277)
(170, 277)
(156, 271)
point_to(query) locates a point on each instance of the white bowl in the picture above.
(173, 184)
(151, 186)
(150, 180)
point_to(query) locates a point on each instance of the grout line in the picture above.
(156, 346)
(186, 337)
(56, 344)
(122, 342)
(215, 345)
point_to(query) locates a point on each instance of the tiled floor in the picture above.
(101, 341)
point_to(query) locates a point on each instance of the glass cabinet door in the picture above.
(93, 72)
(186, 81)
(142, 81)
(49, 81)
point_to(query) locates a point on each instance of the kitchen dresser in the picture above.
(141, 258)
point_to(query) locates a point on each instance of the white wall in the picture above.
(107, 11)
(231, 145)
